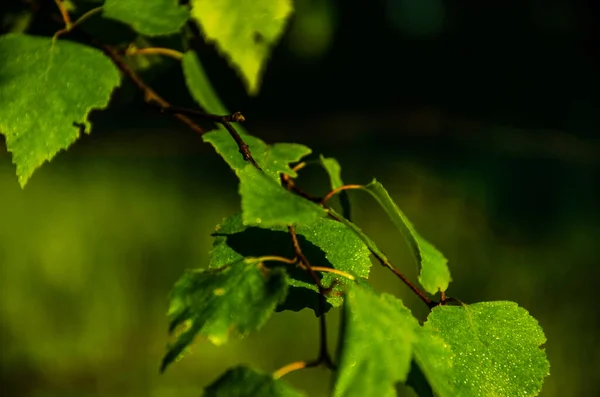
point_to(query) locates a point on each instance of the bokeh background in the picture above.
(479, 117)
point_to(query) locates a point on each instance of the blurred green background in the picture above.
(480, 120)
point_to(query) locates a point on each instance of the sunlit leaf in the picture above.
(46, 90)
(265, 203)
(246, 382)
(496, 347)
(244, 31)
(320, 242)
(148, 17)
(376, 345)
(214, 303)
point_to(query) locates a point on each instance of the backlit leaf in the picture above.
(265, 203)
(244, 31)
(46, 89)
(496, 347)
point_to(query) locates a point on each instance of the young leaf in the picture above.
(273, 159)
(325, 242)
(375, 344)
(46, 88)
(434, 274)
(246, 382)
(238, 298)
(496, 348)
(150, 18)
(265, 203)
(244, 31)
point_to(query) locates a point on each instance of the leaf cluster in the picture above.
(285, 249)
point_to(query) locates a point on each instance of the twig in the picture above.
(150, 95)
(169, 52)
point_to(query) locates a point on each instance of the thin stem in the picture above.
(275, 258)
(324, 269)
(169, 52)
(73, 25)
(295, 366)
(337, 190)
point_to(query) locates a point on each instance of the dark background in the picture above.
(480, 119)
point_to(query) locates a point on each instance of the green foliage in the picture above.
(150, 18)
(46, 87)
(238, 298)
(496, 349)
(265, 203)
(325, 242)
(274, 159)
(244, 31)
(434, 273)
(285, 250)
(376, 345)
(246, 382)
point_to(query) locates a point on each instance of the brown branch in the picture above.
(405, 280)
(150, 95)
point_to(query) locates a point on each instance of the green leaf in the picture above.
(273, 159)
(265, 203)
(238, 299)
(150, 18)
(325, 242)
(200, 87)
(434, 274)
(376, 342)
(45, 88)
(496, 348)
(244, 31)
(434, 360)
(246, 382)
